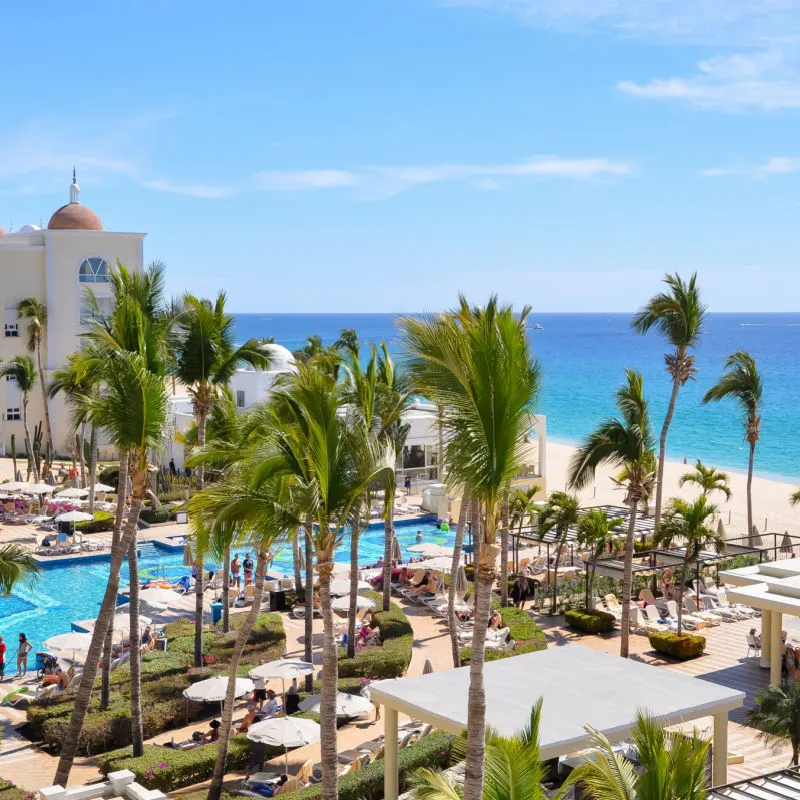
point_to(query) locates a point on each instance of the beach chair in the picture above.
(612, 604)
(728, 614)
(305, 773)
(640, 623)
(743, 610)
(652, 615)
(701, 587)
(690, 622)
(709, 618)
(648, 597)
(753, 647)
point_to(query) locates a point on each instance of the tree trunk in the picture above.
(351, 618)
(476, 708)
(198, 610)
(795, 752)
(92, 467)
(298, 573)
(105, 691)
(475, 517)
(451, 594)
(662, 448)
(330, 679)
(29, 443)
(559, 546)
(137, 734)
(309, 619)
(750, 465)
(200, 470)
(215, 789)
(627, 585)
(682, 589)
(107, 607)
(82, 454)
(591, 584)
(504, 553)
(388, 534)
(50, 451)
(226, 589)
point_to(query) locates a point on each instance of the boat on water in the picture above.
(538, 327)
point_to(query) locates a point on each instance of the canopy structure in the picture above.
(513, 685)
(781, 785)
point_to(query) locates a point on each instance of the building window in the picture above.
(12, 330)
(239, 398)
(11, 378)
(12, 414)
(94, 270)
(104, 305)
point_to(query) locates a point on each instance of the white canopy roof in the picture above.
(560, 676)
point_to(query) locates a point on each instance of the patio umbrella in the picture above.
(72, 642)
(36, 488)
(343, 603)
(284, 669)
(461, 581)
(786, 543)
(13, 486)
(285, 732)
(437, 564)
(342, 586)
(213, 690)
(102, 487)
(347, 705)
(757, 542)
(721, 528)
(429, 549)
(397, 553)
(428, 668)
(157, 598)
(73, 517)
(72, 493)
(121, 621)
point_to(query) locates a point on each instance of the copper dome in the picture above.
(74, 217)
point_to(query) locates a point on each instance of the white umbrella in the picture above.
(342, 586)
(347, 705)
(343, 603)
(36, 488)
(74, 516)
(283, 669)
(73, 493)
(121, 621)
(157, 598)
(102, 487)
(340, 567)
(439, 563)
(286, 732)
(72, 642)
(13, 486)
(430, 549)
(213, 690)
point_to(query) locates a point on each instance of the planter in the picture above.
(685, 646)
(587, 621)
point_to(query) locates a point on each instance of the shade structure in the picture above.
(72, 493)
(103, 487)
(213, 690)
(461, 581)
(436, 564)
(13, 486)
(36, 488)
(347, 705)
(74, 516)
(121, 621)
(428, 668)
(397, 553)
(430, 550)
(283, 669)
(343, 603)
(285, 732)
(341, 586)
(157, 598)
(73, 643)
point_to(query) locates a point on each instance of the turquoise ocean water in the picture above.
(583, 356)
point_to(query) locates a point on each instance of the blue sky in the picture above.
(380, 155)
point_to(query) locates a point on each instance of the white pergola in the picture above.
(772, 587)
(579, 687)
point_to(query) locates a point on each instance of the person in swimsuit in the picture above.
(248, 569)
(23, 649)
(236, 568)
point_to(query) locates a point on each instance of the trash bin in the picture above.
(161, 643)
(216, 613)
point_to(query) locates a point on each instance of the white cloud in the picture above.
(190, 190)
(377, 182)
(764, 80)
(777, 165)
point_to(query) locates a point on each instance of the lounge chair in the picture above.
(745, 611)
(710, 618)
(727, 613)
(640, 623)
(652, 615)
(690, 622)
(753, 647)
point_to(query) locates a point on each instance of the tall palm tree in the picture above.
(678, 314)
(776, 715)
(742, 383)
(627, 443)
(687, 523)
(35, 313)
(23, 371)
(672, 766)
(596, 534)
(207, 358)
(709, 479)
(559, 515)
(455, 566)
(17, 565)
(475, 363)
(522, 506)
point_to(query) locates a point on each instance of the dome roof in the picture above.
(282, 359)
(75, 217)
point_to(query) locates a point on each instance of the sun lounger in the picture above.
(652, 615)
(690, 606)
(640, 623)
(744, 612)
(690, 622)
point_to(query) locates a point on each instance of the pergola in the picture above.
(579, 687)
(781, 785)
(773, 587)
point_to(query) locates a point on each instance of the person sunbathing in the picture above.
(213, 732)
(368, 637)
(249, 718)
(495, 621)
(426, 586)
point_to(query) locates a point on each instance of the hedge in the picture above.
(155, 515)
(588, 621)
(392, 658)
(103, 521)
(10, 791)
(522, 629)
(684, 646)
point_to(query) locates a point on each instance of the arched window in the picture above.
(94, 270)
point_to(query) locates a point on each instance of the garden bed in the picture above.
(528, 636)
(683, 647)
(588, 621)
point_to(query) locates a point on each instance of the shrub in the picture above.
(10, 791)
(110, 476)
(686, 645)
(583, 619)
(153, 516)
(103, 521)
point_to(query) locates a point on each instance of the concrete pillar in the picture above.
(766, 627)
(775, 649)
(390, 776)
(719, 758)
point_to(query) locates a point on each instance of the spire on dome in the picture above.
(74, 189)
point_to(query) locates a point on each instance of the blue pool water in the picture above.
(73, 590)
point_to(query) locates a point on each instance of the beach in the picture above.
(770, 497)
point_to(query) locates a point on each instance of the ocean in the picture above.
(583, 357)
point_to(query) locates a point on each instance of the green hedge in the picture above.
(684, 646)
(154, 516)
(528, 636)
(583, 619)
(392, 658)
(103, 521)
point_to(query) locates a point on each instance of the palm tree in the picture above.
(514, 768)
(596, 533)
(678, 314)
(626, 443)
(646, 475)
(22, 370)
(451, 589)
(795, 498)
(672, 766)
(742, 383)
(522, 507)
(475, 364)
(709, 479)
(776, 714)
(687, 523)
(559, 515)
(35, 313)
(206, 357)
(17, 565)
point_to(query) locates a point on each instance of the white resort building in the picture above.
(54, 263)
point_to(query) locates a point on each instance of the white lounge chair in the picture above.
(690, 622)
(709, 618)
(652, 615)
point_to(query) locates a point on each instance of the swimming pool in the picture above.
(73, 590)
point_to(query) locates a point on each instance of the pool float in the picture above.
(443, 526)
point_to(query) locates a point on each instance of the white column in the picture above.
(390, 775)
(719, 758)
(775, 649)
(766, 627)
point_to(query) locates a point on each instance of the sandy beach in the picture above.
(770, 498)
